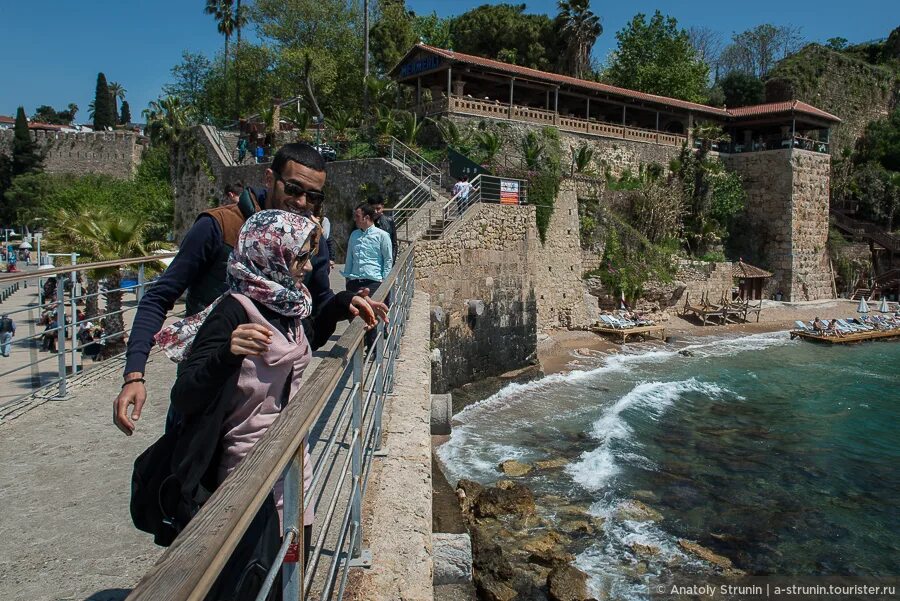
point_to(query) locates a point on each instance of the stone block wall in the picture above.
(109, 153)
(556, 265)
(485, 259)
(614, 154)
(787, 206)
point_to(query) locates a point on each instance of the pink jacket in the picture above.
(257, 400)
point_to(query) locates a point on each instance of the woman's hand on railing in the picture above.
(361, 307)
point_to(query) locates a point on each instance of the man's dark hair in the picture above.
(298, 152)
(234, 188)
(377, 199)
(464, 178)
(367, 210)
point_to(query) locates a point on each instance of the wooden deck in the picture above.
(649, 331)
(846, 338)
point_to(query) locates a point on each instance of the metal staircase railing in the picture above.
(418, 165)
(424, 192)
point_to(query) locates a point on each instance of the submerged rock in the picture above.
(686, 353)
(513, 499)
(567, 583)
(636, 511)
(514, 468)
(551, 464)
(644, 550)
(705, 554)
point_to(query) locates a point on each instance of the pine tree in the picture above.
(104, 113)
(26, 157)
(125, 117)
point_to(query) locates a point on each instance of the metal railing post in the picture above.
(140, 286)
(380, 341)
(293, 566)
(61, 332)
(73, 297)
(356, 450)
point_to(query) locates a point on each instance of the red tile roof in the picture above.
(773, 108)
(746, 270)
(566, 80)
(764, 109)
(5, 119)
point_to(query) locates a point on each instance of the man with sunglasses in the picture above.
(294, 183)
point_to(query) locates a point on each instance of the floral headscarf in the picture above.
(259, 268)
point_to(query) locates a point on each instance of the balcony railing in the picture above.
(527, 114)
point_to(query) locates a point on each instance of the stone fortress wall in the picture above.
(109, 153)
(787, 206)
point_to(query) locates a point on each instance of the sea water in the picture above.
(783, 456)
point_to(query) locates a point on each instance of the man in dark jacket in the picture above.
(383, 222)
(293, 183)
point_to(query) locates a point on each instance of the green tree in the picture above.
(104, 115)
(117, 91)
(433, 30)
(581, 28)
(26, 156)
(222, 11)
(26, 196)
(532, 150)
(742, 89)
(837, 43)
(881, 142)
(505, 32)
(327, 32)
(191, 75)
(103, 235)
(47, 114)
(755, 51)
(657, 57)
(125, 116)
(392, 36)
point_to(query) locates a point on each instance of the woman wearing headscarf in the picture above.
(241, 361)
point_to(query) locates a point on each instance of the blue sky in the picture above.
(51, 50)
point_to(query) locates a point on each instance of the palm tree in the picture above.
(410, 126)
(450, 133)
(532, 149)
(103, 235)
(222, 12)
(117, 91)
(489, 144)
(240, 19)
(340, 122)
(581, 28)
(581, 159)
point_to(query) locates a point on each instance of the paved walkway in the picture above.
(65, 489)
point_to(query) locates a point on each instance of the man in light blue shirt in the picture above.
(369, 253)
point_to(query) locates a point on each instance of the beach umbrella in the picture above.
(863, 306)
(883, 307)
(25, 245)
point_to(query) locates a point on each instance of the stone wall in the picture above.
(110, 153)
(556, 265)
(787, 209)
(614, 154)
(485, 259)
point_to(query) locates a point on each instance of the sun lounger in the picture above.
(802, 326)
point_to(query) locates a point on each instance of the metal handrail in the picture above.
(188, 569)
(418, 165)
(422, 193)
(64, 310)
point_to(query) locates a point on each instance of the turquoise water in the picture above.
(780, 455)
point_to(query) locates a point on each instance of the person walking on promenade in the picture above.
(7, 331)
(461, 190)
(383, 222)
(294, 183)
(241, 360)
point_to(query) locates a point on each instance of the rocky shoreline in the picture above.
(524, 545)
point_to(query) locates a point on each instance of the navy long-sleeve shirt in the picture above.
(195, 256)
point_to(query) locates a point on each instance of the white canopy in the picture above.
(863, 306)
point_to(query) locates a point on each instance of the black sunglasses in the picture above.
(293, 190)
(301, 259)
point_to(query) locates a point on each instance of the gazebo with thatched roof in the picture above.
(751, 280)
